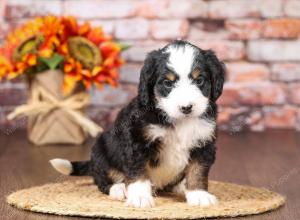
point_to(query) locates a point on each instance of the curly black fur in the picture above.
(124, 146)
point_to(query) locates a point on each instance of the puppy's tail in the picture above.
(77, 168)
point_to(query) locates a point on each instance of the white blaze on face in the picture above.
(185, 92)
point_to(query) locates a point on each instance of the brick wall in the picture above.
(257, 39)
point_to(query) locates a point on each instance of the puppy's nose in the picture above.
(186, 109)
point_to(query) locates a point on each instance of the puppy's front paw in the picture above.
(118, 191)
(140, 201)
(201, 198)
(140, 195)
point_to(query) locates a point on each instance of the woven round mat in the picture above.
(82, 198)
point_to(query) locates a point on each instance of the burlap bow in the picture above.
(70, 105)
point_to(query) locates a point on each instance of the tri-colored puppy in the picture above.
(164, 139)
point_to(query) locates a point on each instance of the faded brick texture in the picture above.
(257, 39)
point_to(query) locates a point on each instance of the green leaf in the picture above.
(53, 62)
(124, 46)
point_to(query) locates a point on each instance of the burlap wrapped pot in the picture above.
(52, 117)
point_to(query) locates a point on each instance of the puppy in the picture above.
(164, 139)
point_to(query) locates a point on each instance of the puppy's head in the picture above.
(181, 80)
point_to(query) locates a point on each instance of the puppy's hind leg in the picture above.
(106, 185)
(180, 188)
(194, 197)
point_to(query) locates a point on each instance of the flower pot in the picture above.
(54, 126)
(52, 117)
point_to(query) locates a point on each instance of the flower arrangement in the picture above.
(54, 52)
(86, 55)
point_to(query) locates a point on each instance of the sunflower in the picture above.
(86, 54)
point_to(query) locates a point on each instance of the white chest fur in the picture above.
(176, 145)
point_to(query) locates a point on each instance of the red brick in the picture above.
(199, 34)
(8, 127)
(223, 116)
(99, 115)
(169, 29)
(247, 72)
(294, 93)
(250, 94)
(169, 9)
(137, 28)
(281, 28)
(109, 97)
(138, 51)
(226, 113)
(255, 121)
(232, 9)
(219, 9)
(240, 118)
(131, 90)
(111, 117)
(207, 30)
(287, 72)
(298, 121)
(243, 29)
(103, 116)
(230, 96)
(153, 9)
(30, 8)
(107, 25)
(233, 119)
(263, 93)
(3, 29)
(292, 8)
(273, 50)
(100, 9)
(225, 50)
(130, 73)
(270, 8)
(16, 12)
(280, 117)
(11, 96)
(188, 8)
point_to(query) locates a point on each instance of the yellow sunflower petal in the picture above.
(96, 70)
(69, 84)
(32, 60)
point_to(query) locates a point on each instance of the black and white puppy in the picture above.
(164, 139)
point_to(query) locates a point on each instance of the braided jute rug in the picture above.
(82, 198)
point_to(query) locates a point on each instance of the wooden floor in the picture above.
(270, 160)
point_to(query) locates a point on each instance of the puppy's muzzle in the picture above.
(186, 109)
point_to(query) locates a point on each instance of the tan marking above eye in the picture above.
(171, 76)
(196, 73)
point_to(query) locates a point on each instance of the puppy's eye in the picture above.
(200, 81)
(167, 83)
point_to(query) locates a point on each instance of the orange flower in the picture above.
(72, 68)
(51, 26)
(70, 28)
(29, 60)
(109, 48)
(49, 46)
(84, 29)
(48, 37)
(97, 36)
(5, 66)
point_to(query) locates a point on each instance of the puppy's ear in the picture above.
(147, 79)
(217, 70)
